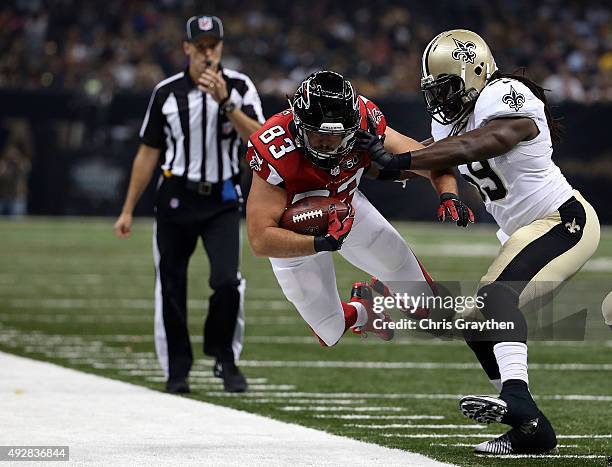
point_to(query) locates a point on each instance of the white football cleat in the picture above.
(500, 445)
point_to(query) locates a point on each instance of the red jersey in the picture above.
(274, 156)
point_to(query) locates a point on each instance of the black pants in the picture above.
(182, 217)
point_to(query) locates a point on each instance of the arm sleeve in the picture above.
(152, 129)
(251, 104)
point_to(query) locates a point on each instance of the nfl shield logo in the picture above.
(227, 128)
(205, 23)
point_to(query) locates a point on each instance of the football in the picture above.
(309, 216)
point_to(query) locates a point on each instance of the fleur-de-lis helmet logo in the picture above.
(464, 51)
(514, 99)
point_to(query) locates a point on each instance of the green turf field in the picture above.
(74, 294)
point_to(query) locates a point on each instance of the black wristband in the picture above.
(323, 243)
(448, 195)
(394, 161)
(404, 160)
(223, 101)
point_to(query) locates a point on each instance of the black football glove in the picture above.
(374, 144)
(457, 210)
(337, 231)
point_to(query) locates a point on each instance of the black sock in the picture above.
(521, 406)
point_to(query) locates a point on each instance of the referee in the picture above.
(196, 118)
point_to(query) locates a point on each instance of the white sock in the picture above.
(362, 314)
(497, 383)
(512, 360)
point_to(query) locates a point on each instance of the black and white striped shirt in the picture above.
(200, 143)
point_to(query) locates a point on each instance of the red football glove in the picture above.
(458, 211)
(336, 231)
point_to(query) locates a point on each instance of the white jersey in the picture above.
(523, 184)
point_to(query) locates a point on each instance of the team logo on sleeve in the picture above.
(376, 115)
(256, 162)
(464, 51)
(514, 99)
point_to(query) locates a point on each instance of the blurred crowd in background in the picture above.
(105, 47)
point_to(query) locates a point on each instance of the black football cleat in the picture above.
(535, 436)
(514, 406)
(177, 386)
(483, 409)
(233, 379)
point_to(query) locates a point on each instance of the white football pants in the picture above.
(373, 245)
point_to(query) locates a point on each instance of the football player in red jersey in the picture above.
(307, 150)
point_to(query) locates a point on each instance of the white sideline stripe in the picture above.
(72, 408)
(382, 417)
(314, 408)
(365, 395)
(489, 435)
(406, 425)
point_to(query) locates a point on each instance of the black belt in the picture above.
(203, 188)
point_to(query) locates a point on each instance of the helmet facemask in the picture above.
(446, 98)
(325, 105)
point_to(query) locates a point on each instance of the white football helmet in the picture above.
(456, 66)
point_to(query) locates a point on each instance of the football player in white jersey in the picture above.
(498, 130)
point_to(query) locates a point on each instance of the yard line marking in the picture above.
(469, 445)
(547, 456)
(256, 382)
(121, 318)
(572, 397)
(405, 425)
(199, 374)
(292, 408)
(132, 303)
(414, 365)
(599, 265)
(307, 401)
(257, 387)
(382, 417)
(480, 435)
(260, 339)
